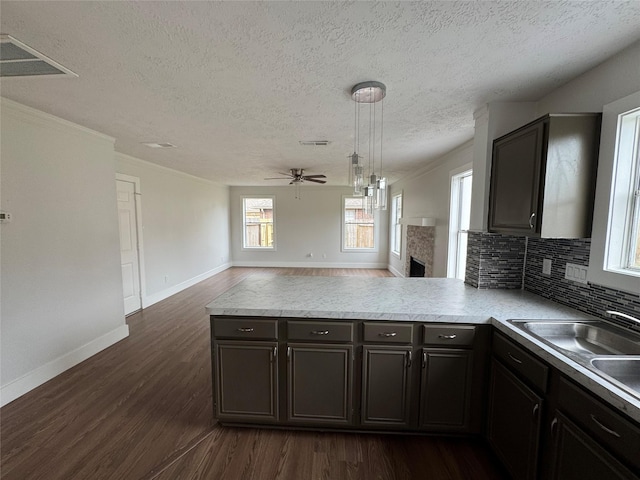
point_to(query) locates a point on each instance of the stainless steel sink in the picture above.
(610, 351)
(625, 370)
(591, 338)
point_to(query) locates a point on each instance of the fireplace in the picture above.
(416, 267)
(420, 241)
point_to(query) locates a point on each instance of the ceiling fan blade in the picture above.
(307, 179)
(287, 174)
(313, 176)
(277, 178)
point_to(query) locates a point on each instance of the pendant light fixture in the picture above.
(373, 187)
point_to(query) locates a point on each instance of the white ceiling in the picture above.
(236, 85)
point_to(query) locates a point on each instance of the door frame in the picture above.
(137, 194)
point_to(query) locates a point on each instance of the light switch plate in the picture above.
(576, 273)
(546, 266)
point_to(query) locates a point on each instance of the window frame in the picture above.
(455, 211)
(346, 249)
(244, 223)
(612, 210)
(395, 238)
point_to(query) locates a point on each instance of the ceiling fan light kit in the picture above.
(374, 187)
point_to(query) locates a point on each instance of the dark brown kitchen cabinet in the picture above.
(386, 385)
(543, 177)
(319, 383)
(445, 389)
(246, 381)
(513, 422)
(579, 457)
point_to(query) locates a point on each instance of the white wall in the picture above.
(312, 224)
(427, 194)
(60, 256)
(185, 227)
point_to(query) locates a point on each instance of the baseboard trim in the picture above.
(309, 265)
(147, 301)
(395, 271)
(44, 373)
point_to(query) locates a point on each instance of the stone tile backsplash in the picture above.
(498, 261)
(588, 298)
(494, 260)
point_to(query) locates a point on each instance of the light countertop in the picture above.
(415, 299)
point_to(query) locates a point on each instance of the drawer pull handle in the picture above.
(319, 332)
(424, 359)
(387, 334)
(554, 425)
(608, 430)
(408, 359)
(536, 409)
(274, 353)
(517, 360)
(245, 329)
(448, 337)
(531, 225)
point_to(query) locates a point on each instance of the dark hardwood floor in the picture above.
(142, 409)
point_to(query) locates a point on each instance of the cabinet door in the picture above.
(513, 423)
(386, 385)
(445, 390)
(320, 383)
(578, 457)
(246, 381)
(515, 181)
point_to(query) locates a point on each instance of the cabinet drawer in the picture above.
(249, 328)
(532, 369)
(607, 427)
(445, 335)
(320, 331)
(384, 332)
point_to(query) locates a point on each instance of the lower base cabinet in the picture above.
(445, 389)
(386, 380)
(579, 457)
(246, 381)
(513, 422)
(320, 383)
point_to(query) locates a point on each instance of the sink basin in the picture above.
(625, 370)
(584, 337)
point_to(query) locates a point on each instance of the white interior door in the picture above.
(129, 246)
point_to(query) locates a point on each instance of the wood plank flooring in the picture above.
(142, 409)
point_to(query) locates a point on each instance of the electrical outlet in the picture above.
(5, 217)
(576, 273)
(546, 266)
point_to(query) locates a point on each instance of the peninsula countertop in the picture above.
(386, 298)
(441, 300)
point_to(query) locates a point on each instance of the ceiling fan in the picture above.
(297, 176)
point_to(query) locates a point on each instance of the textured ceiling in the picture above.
(236, 85)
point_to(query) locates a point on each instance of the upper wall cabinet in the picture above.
(543, 177)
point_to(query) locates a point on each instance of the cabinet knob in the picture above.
(531, 225)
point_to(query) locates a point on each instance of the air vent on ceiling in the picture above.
(159, 145)
(315, 143)
(20, 60)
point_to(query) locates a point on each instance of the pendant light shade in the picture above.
(362, 175)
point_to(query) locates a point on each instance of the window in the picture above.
(358, 226)
(258, 223)
(459, 217)
(615, 243)
(396, 227)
